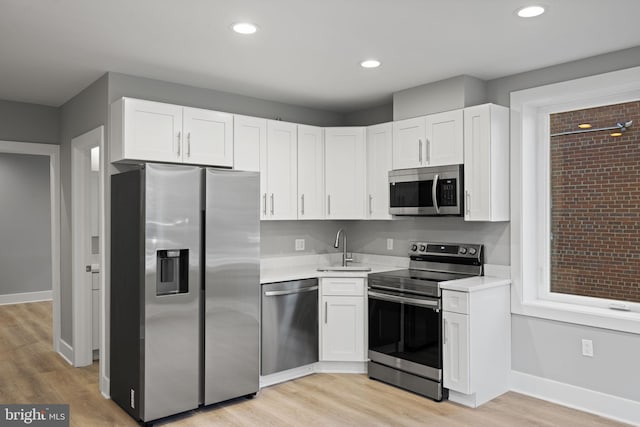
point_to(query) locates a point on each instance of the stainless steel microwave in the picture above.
(428, 191)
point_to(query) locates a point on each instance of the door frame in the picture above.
(81, 305)
(53, 152)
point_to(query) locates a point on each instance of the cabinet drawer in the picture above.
(342, 286)
(457, 302)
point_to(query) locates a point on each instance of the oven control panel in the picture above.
(465, 250)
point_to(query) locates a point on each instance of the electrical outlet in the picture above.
(389, 244)
(587, 348)
(299, 244)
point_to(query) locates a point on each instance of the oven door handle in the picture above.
(435, 305)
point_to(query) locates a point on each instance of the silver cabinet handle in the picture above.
(189, 144)
(370, 204)
(264, 204)
(292, 292)
(444, 338)
(271, 203)
(428, 147)
(434, 193)
(326, 312)
(329, 204)
(302, 204)
(420, 151)
(179, 143)
(467, 201)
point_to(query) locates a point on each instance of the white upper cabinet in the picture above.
(444, 138)
(432, 140)
(379, 155)
(209, 137)
(310, 172)
(486, 163)
(409, 143)
(345, 172)
(279, 171)
(157, 132)
(249, 134)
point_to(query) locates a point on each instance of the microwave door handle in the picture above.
(434, 193)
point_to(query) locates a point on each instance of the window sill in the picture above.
(604, 318)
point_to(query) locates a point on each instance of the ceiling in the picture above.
(306, 52)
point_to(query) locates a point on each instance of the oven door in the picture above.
(405, 333)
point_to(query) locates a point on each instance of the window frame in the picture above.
(530, 198)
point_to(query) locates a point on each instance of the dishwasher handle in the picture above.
(290, 292)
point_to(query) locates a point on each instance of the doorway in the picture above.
(87, 237)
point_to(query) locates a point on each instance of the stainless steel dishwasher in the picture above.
(289, 325)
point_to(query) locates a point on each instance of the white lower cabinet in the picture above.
(342, 316)
(476, 344)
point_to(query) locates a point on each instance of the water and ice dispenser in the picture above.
(172, 272)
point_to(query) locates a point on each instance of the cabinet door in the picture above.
(409, 143)
(345, 173)
(249, 134)
(342, 329)
(379, 155)
(279, 164)
(445, 138)
(310, 172)
(455, 352)
(208, 137)
(486, 163)
(153, 131)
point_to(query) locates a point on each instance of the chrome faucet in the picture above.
(345, 260)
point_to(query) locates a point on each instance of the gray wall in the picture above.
(553, 350)
(277, 238)
(370, 116)
(444, 95)
(25, 224)
(24, 122)
(82, 113)
(155, 90)
(371, 236)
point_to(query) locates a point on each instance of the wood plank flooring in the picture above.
(30, 372)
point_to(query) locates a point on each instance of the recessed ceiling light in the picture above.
(584, 125)
(530, 11)
(244, 28)
(370, 63)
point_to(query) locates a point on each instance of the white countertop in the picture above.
(474, 284)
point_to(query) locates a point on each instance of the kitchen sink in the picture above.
(348, 268)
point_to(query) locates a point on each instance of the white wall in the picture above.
(25, 224)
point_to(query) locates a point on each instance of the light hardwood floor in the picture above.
(30, 372)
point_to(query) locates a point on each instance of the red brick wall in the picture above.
(595, 211)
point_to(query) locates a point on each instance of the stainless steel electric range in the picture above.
(405, 318)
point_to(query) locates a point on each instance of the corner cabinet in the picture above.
(342, 327)
(310, 172)
(279, 171)
(379, 155)
(345, 172)
(476, 344)
(147, 131)
(486, 163)
(433, 140)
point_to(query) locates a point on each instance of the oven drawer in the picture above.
(455, 301)
(353, 286)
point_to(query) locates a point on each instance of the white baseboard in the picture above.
(342, 367)
(66, 351)
(288, 375)
(605, 405)
(105, 387)
(26, 297)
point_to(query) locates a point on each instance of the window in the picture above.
(558, 268)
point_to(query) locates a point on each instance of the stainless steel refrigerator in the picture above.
(185, 288)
